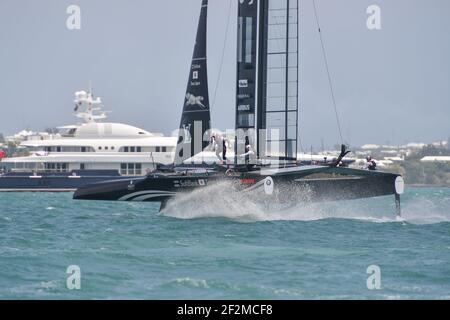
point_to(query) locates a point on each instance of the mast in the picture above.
(196, 119)
(88, 108)
(267, 77)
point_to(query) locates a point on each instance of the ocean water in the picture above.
(224, 249)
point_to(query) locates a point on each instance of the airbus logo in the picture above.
(244, 107)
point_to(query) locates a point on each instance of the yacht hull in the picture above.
(287, 186)
(54, 182)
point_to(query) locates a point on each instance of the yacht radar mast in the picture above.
(88, 108)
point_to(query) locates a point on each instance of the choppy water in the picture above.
(224, 250)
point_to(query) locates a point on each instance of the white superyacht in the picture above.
(88, 152)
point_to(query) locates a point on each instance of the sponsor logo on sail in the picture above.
(195, 75)
(196, 66)
(192, 100)
(243, 83)
(244, 107)
(186, 129)
(244, 96)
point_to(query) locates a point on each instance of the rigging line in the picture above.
(330, 82)
(223, 57)
(301, 144)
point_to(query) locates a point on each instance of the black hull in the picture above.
(288, 186)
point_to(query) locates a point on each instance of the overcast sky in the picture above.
(392, 85)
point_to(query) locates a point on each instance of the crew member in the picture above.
(371, 164)
(224, 149)
(219, 146)
(248, 151)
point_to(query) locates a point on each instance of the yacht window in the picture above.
(164, 149)
(61, 167)
(112, 148)
(82, 166)
(131, 169)
(158, 149)
(106, 148)
(132, 149)
(99, 148)
(138, 149)
(83, 149)
(138, 169)
(56, 167)
(58, 149)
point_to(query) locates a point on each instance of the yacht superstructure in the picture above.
(87, 152)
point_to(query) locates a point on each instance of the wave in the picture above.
(427, 208)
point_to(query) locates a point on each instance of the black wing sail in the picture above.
(267, 78)
(196, 118)
(246, 85)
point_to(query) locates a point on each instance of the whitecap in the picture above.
(197, 283)
(49, 285)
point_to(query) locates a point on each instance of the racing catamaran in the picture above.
(266, 118)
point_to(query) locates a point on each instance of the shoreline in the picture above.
(426, 186)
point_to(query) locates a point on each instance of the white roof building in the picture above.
(395, 159)
(370, 146)
(436, 159)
